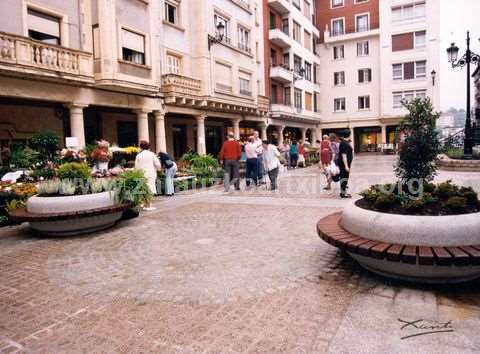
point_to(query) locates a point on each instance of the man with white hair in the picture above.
(229, 157)
(260, 150)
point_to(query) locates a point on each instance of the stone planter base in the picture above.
(448, 164)
(431, 250)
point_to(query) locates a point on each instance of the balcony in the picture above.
(290, 112)
(27, 56)
(279, 38)
(333, 37)
(281, 6)
(174, 85)
(281, 74)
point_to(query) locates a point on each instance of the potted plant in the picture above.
(431, 222)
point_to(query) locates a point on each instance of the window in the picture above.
(307, 40)
(296, 3)
(362, 48)
(316, 98)
(273, 57)
(308, 71)
(286, 61)
(409, 71)
(364, 75)
(339, 78)
(273, 21)
(420, 69)
(274, 94)
(363, 103)
(286, 26)
(223, 77)
(420, 39)
(244, 39)
(43, 27)
(338, 27)
(408, 11)
(308, 101)
(297, 64)
(173, 64)
(171, 13)
(362, 23)
(316, 73)
(297, 32)
(298, 98)
(96, 42)
(360, 1)
(226, 23)
(339, 52)
(244, 81)
(133, 47)
(336, 3)
(306, 9)
(400, 96)
(339, 104)
(287, 96)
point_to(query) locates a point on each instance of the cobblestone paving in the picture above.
(219, 273)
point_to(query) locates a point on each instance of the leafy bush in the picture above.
(47, 144)
(446, 190)
(204, 166)
(457, 204)
(415, 205)
(45, 173)
(131, 187)
(385, 201)
(23, 157)
(470, 195)
(74, 171)
(455, 153)
(421, 146)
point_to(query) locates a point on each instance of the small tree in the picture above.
(421, 147)
(46, 143)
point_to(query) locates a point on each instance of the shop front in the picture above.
(368, 139)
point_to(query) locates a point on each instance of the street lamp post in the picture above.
(465, 60)
(219, 35)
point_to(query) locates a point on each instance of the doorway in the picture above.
(179, 133)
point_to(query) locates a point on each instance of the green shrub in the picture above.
(421, 146)
(74, 170)
(446, 190)
(455, 153)
(470, 195)
(386, 201)
(45, 173)
(204, 166)
(23, 157)
(457, 204)
(415, 205)
(131, 187)
(46, 143)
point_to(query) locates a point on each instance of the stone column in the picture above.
(384, 134)
(319, 133)
(236, 128)
(142, 124)
(77, 127)
(304, 134)
(201, 146)
(280, 129)
(314, 136)
(160, 137)
(352, 138)
(263, 131)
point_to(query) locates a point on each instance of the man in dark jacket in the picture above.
(229, 157)
(345, 163)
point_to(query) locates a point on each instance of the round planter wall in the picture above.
(442, 231)
(52, 205)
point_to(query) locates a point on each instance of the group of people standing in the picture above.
(336, 152)
(262, 159)
(293, 153)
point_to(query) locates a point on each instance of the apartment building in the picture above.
(292, 66)
(374, 54)
(126, 70)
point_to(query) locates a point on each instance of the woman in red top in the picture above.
(325, 152)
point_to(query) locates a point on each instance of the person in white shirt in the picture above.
(252, 162)
(271, 163)
(149, 163)
(260, 150)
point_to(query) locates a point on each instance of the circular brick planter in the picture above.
(70, 215)
(448, 164)
(430, 249)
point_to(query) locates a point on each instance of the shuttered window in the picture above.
(308, 101)
(43, 27)
(133, 47)
(223, 77)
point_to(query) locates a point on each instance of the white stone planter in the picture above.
(430, 231)
(68, 226)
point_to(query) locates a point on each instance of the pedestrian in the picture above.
(260, 170)
(271, 163)
(230, 155)
(293, 154)
(345, 163)
(286, 149)
(325, 152)
(301, 154)
(170, 170)
(252, 162)
(149, 163)
(334, 145)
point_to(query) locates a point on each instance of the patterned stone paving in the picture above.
(210, 272)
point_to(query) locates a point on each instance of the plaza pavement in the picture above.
(209, 272)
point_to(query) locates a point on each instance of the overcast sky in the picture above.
(457, 16)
